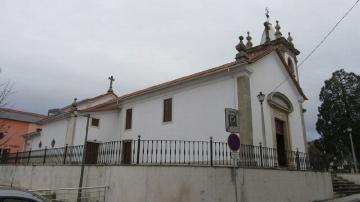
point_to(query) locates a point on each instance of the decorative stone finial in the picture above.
(267, 31)
(248, 43)
(278, 34)
(241, 48)
(290, 39)
(74, 104)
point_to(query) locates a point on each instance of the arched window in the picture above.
(291, 66)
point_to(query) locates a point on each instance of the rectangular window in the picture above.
(95, 122)
(128, 119)
(167, 116)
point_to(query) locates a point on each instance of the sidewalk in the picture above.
(351, 198)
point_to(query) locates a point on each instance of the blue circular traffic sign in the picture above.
(234, 142)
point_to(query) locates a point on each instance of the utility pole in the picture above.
(349, 130)
(83, 159)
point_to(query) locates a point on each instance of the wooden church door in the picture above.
(280, 142)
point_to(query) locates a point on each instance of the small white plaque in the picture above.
(235, 155)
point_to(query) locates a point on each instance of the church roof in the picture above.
(254, 54)
(89, 100)
(67, 110)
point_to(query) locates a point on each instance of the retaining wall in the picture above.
(178, 184)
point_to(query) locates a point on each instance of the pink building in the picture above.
(13, 125)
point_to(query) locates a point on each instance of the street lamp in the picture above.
(261, 98)
(349, 130)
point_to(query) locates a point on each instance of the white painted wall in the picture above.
(54, 130)
(268, 73)
(33, 142)
(178, 184)
(108, 129)
(198, 112)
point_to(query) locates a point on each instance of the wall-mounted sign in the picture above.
(232, 122)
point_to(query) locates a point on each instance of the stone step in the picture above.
(348, 192)
(343, 183)
(347, 189)
(340, 180)
(344, 187)
(347, 186)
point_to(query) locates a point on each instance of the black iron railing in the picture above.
(166, 152)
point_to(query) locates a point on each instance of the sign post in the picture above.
(234, 145)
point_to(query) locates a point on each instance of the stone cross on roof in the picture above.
(111, 78)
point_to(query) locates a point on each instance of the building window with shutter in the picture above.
(95, 122)
(167, 116)
(128, 119)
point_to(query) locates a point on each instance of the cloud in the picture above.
(56, 50)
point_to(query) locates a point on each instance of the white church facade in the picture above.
(193, 107)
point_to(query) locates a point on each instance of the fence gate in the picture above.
(92, 150)
(126, 152)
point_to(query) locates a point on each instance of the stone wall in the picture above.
(178, 184)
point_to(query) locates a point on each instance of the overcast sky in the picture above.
(56, 50)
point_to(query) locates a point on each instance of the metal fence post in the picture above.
(65, 153)
(261, 155)
(297, 159)
(1, 156)
(44, 155)
(138, 151)
(28, 159)
(211, 151)
(16, 157)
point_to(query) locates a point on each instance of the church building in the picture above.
(261, 84)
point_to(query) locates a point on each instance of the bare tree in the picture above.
(5, 92)
(6, 89)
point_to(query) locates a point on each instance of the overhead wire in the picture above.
(320, 43)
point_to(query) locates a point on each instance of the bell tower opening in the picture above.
(291, 67)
